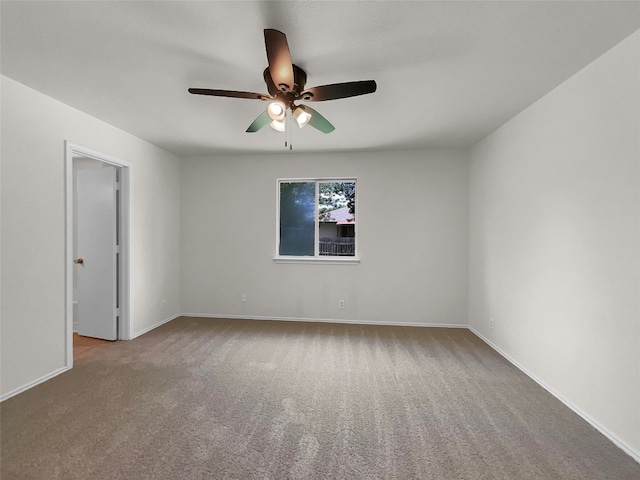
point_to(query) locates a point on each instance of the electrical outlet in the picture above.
(340, 303)
(164, 304)
(491, 323)
(243, 297)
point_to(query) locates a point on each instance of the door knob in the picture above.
(79, 261)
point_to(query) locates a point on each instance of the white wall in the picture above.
(34, 128)
(555, 241)
(412, 228)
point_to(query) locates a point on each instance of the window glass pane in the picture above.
(297, 218)
(337, 218)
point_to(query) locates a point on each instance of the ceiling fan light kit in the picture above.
(278, 125)
(286, 85)
(301, 116)
(276, 110)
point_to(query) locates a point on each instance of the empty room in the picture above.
(318, 239)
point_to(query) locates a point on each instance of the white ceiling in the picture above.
(448, 73)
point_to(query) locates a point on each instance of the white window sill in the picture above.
(319, 260)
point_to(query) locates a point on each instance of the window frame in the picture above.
(316, 258)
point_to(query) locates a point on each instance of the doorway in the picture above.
(97, 219)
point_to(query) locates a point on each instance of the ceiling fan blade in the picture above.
(279, 57)
(318, 121)
(339, 90)
(229, 93)
(271, 88)
(262, 120)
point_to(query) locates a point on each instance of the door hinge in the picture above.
(117, 248)
(117, 185)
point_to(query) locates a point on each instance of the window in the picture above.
(316, 219)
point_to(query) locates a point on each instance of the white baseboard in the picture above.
(32, 384)
(325, 320)
(155, 325)
(588, 418)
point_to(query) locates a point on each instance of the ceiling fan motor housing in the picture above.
(287, 97)
(282, 91)
(299, 80)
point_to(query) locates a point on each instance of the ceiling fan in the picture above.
(286, 86)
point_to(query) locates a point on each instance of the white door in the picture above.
(96, 264)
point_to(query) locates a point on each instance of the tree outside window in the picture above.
(317, 218)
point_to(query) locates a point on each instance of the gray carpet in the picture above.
(205, 398)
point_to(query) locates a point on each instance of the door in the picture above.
(97, 265)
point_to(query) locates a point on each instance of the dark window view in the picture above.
(297, 218)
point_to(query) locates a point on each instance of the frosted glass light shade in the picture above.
(301, 116)
(276, 111)
(277, 125)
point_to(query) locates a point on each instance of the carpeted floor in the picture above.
(206, 398)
